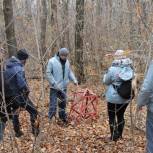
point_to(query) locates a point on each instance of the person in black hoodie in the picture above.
(17, 91)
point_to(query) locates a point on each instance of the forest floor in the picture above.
(86, 137)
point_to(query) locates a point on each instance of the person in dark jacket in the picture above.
(17, 91)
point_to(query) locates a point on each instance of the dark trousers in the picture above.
(27, 104)
(116, 119)
(55, 96)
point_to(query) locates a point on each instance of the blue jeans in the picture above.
(57, 98)
(149, 132)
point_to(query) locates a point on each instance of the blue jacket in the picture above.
(119, 70)
(54, 73)
(145, 97)
(14, 76)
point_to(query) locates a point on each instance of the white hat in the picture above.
(119, 54)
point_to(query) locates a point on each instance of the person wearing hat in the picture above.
(120, 69)
(59, 74)
(17, 91)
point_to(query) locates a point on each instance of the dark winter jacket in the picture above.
(14, 76)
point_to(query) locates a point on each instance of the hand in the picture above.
(55, 86)
(25, 91)
(139, 108)
(76, 83)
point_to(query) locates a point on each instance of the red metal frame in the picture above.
(84, 105)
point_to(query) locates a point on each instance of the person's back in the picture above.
(17, 92)
(120, 70)
(14, 77)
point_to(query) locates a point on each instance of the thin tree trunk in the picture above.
(43, 23)
(27, 11)
(131, 26)
(54, 23)
(79, 40)
(65, 20)
(9, 27)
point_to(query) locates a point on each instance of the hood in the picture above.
(13, 61)
(126, 70)
(57, 57)
(122, 62)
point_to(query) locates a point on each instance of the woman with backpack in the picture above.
(118, 95)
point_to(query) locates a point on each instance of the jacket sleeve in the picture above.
(20, 79)
(71, 75)
(49, 73)
(146, 88)
(107, 78)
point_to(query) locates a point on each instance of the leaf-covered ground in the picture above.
(86, 137)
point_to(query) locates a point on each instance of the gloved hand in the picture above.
(25, 91)
(139, 108)
(55, 86)
(76, 83)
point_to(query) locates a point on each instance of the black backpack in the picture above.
(125, 89)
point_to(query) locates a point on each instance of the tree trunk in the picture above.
(131, 43)
(43, 23)
(79, 40)
(9, 27)
(54, 23)
(65, 22)
(27, 9)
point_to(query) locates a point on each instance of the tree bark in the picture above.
(9, 27)
(65, 22)
(79, 40)
(43, 23)
(131, 43)
(54, 23)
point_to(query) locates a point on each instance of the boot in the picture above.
(35, 131)
(18, 133)
(35, 126)
(120, 129)
(114, 133)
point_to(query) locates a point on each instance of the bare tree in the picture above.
(27, 11)
(79, 40)
(54, 23)
(65, 19)
(131, 25)
(43, 23)
(9, 27)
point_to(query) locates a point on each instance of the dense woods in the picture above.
(92, 30)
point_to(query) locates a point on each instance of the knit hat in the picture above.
(120, 54)
(63, 51)
(22, 54)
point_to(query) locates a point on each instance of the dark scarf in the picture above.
(63, 66)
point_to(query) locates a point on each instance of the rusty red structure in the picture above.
(84, 105)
